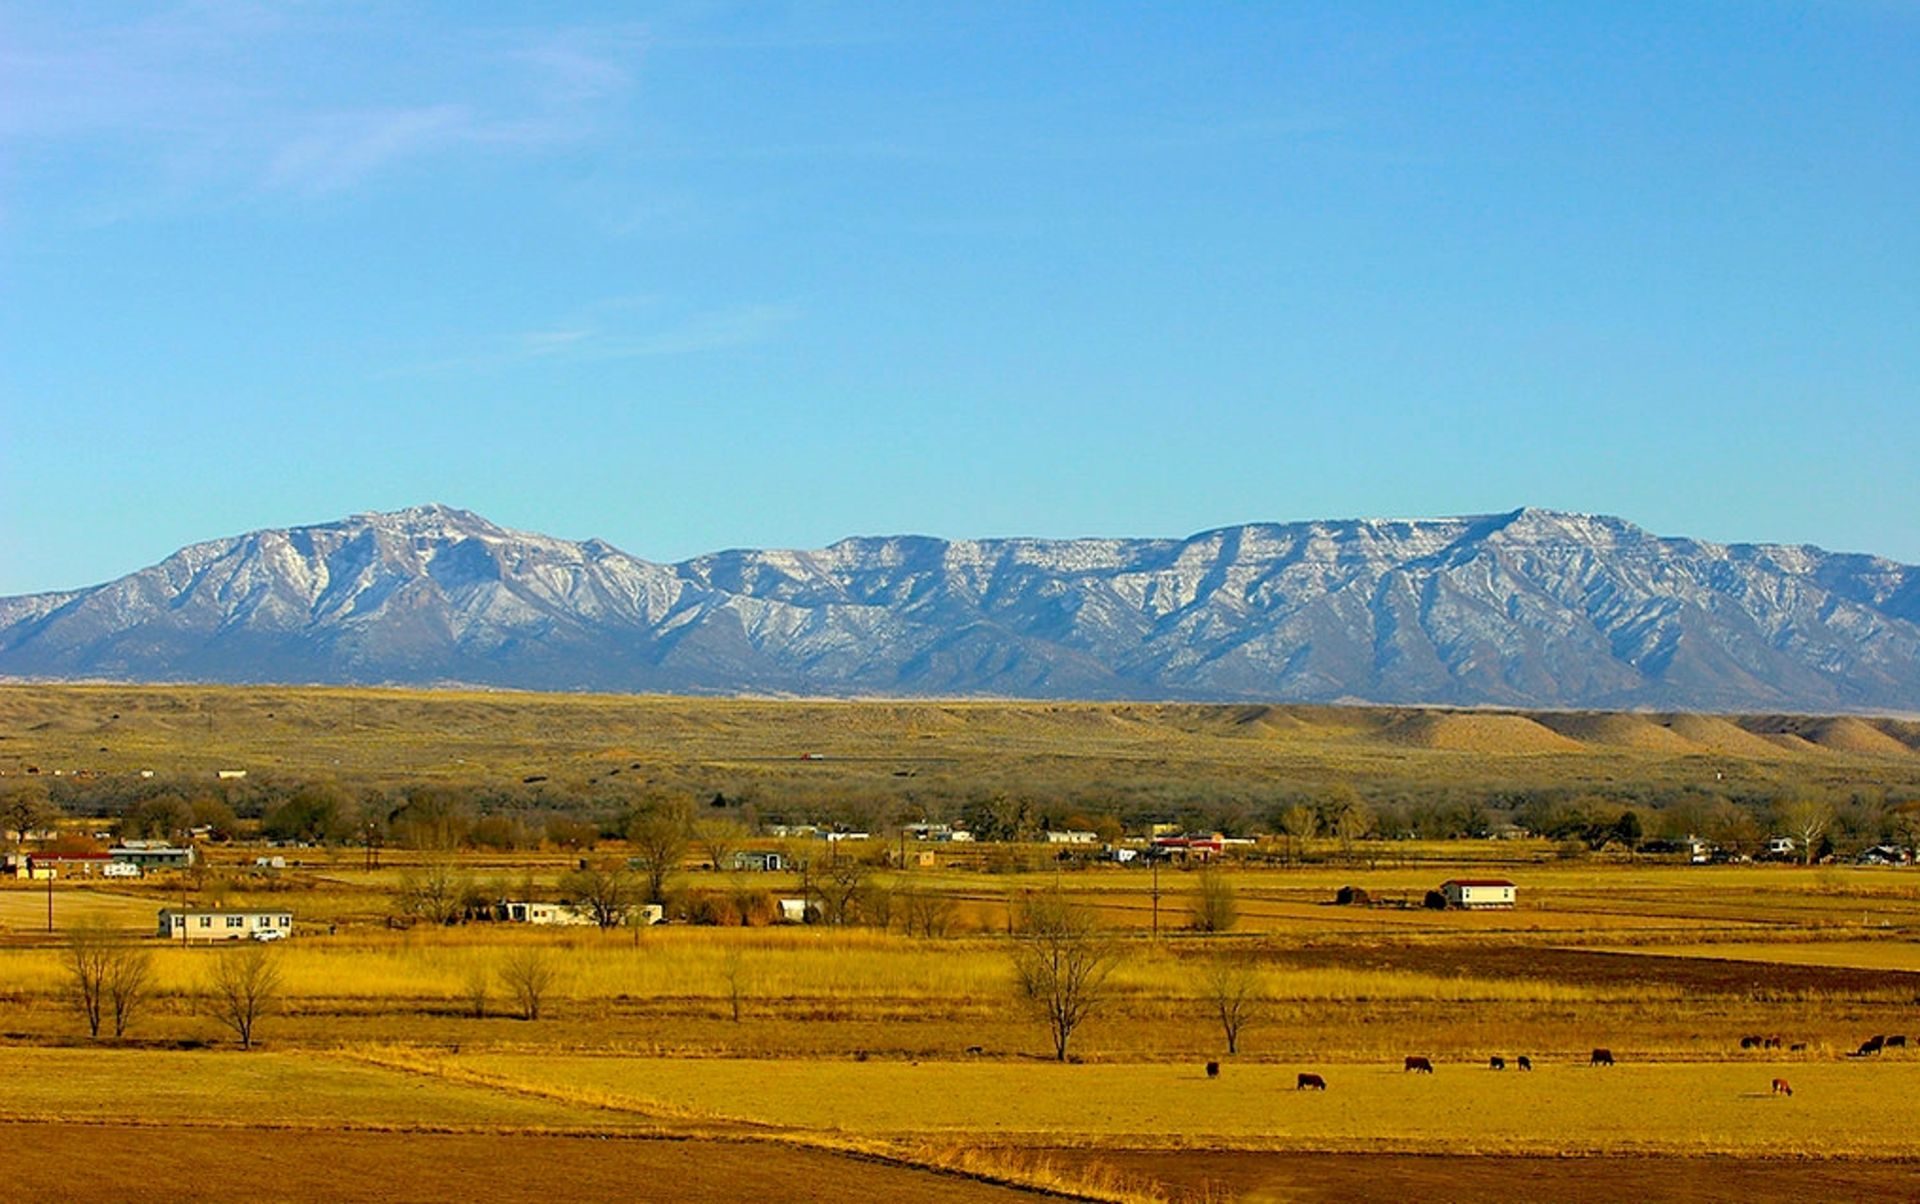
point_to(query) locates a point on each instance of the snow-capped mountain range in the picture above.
(1532, 609)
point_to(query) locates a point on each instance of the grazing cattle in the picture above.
(1601, 1057)
(1525, 1062)
(1773, 1043)
(1900, 1042)
(1751, 1042)
(1782, 1087)
(1496, 1063)
(1419, 1064)
(1213, 1070)
(1310, 1082)
(975, 1050)
(1798, 1047)
(1872, 1045)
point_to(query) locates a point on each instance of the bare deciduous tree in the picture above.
(925, 912)
(837, 885)
(733, 973)
(243, 986)
(659, 835)
(718, 839)
(24, 808)
(477, 988)
(89, 960)
(1216, 906)
(435, 892)
(1300, 822)
(128, 978)
(1807, 820)
(528, 975)
(1062, 963)
(606, 890)
(1234, 996)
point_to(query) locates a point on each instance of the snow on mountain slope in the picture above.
(1531, 608)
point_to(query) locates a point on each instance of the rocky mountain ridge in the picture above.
(1530, 608)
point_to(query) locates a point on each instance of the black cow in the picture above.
(1415, 1062)
(1310, 1082)
(1525, 1063)
(1601, 1057)
(1496, 1063)
(1213, 1070)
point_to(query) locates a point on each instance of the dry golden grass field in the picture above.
(895, 748)
(819, 1063)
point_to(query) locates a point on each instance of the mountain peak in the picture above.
(432, 519)
(1532, 607)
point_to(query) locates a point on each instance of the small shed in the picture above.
(756, 861)
(1478, 893)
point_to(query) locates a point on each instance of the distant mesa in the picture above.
(1488, 614)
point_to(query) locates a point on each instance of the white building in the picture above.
(1072, 836)
(1473, 893)
(193, 925)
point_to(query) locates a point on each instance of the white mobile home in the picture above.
(1478, 892)
(190, 924)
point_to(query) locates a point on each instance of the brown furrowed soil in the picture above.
(1254, 1176)
(1695, 975)
(129, 1164)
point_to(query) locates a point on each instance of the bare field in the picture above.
(154, 1165)
(1256, 1176)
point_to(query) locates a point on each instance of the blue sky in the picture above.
(694, 276)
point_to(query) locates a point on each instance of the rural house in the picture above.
(152, 855)
(1475, 893)
(758, 862)
(190, 924)
(67, 865)
(516, 911)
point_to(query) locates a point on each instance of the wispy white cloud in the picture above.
(620, 329)
(342, 149)
(217, 102)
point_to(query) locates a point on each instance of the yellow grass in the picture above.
(1857, 1108)
(397, 735)
(146, 1087)
(780, 964)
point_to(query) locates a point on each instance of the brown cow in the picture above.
(1420, 1064)
(1601, 1057)
(1781, 1087)
(1751, 1042)
(1310, 1082)
(1213, 1070)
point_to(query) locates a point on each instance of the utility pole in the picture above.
(50, 873)
(1155, 863)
